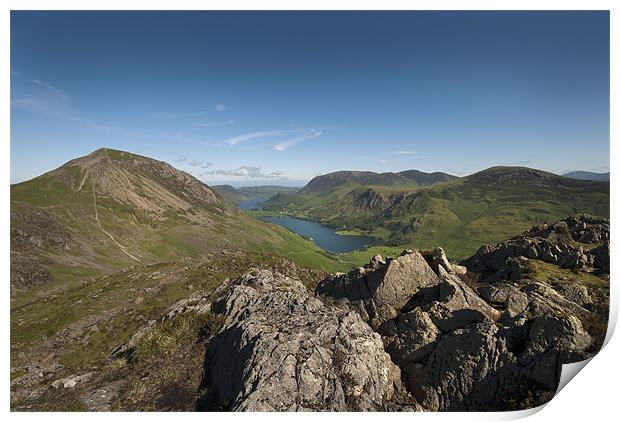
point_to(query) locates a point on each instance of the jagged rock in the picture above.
(601, 257)
(506, 297)
(280, 349)
(372, 200)
(549, 243)
(575, 292)
(457, 295)
(459, 269)
(382, 290)
(581, 228)
(452, 354)
(438, 259)
(410, 336)
(479, 367)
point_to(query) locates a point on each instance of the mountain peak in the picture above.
(126, 178)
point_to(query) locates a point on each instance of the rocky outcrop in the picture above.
(554, 244)
(281, 349)
(26, 273)
(373, 201)
(581, 228)
(404, 333)
(33, 227)
(456, 351)
(601, 257)
(380, 289)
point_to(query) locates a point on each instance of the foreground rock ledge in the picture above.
(281, 349)
(393, 335)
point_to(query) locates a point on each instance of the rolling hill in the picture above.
(339, 179)
(112, 209)
(458, 213)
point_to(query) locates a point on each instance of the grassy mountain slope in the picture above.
(460, 214)
(230, 193)
(75, 332)
(112, 209)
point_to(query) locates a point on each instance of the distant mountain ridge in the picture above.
(335, 179)
(587, 175)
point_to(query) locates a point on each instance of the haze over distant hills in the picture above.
(587, 175)
(244, 193)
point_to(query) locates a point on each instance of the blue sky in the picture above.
(279, 97)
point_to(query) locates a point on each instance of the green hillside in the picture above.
(113, 209)
(230, 193)
(459, 214)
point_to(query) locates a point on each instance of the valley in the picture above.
(458, 213)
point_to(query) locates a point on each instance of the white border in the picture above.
(593, 393)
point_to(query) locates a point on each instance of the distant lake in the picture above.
(324, 237)
(252, 204)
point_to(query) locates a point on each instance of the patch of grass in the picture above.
(543, 271)
(166, 337)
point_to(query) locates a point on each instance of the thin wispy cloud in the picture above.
(48, 100)
(219, 108)
(294, 141)
(255, 135)
(56, 91)
(403, 152)
(293, 137)
(214, 124)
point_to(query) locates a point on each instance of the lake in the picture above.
(252, 204)
(322, 236)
